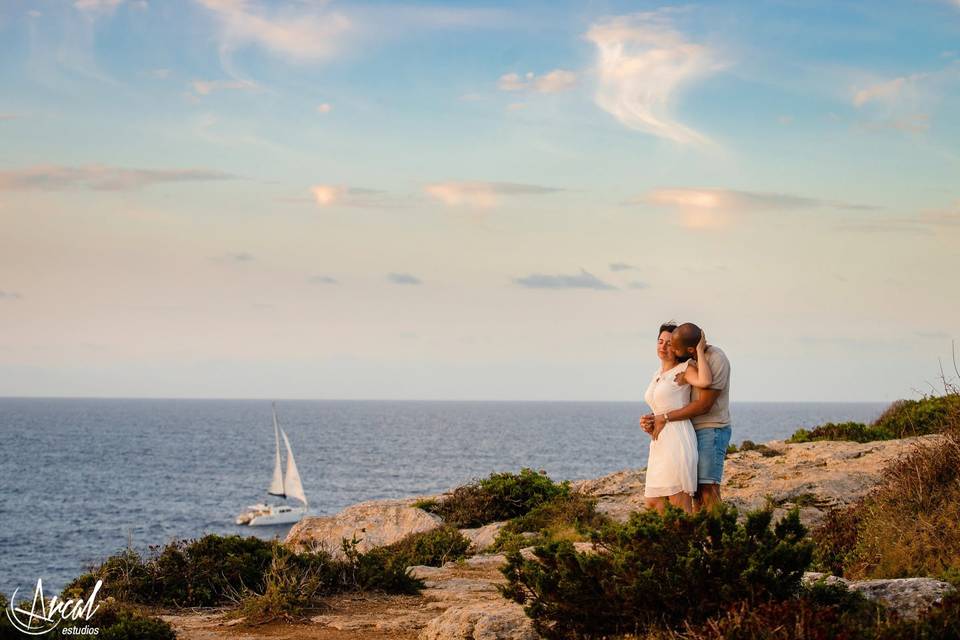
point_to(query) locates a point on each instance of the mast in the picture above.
(276, 485)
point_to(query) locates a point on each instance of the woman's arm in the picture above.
(699, 375)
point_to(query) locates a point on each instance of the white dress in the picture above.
(672, 464)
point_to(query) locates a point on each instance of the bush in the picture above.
(217, 569)
(822, 613)
(750, 445)
(567, 517)
(902, 419)
(909, 525)
(658, 571)
(195, 573)
(431, 548)
(501, 496)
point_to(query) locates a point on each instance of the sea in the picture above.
(85, 478)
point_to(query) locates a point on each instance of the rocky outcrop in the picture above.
(814, 476)
(375, 523)
(907, 596)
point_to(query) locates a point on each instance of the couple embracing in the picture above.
(690, 423)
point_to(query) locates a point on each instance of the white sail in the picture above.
(292, 481)
(276, 485)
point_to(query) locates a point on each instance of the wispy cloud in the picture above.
(705, 207)
(621, 266)
(327, 195)
(322, 280)
(10, 295)
(403, 278)
(551, 82)
(289, 32)
(642, 63)
(206, 87)
(482, 195)
(888, 91)
(637, 284)
(236, 257)
(582, 280)
(324, 108)
(101, 178)
(930, 222)
(8, 116)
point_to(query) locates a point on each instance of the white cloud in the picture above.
(292, 34)
(481, 195)
(552, 82)
(98, 177)
(324, 107)
(642, 63)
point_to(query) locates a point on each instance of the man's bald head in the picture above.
(685, 338)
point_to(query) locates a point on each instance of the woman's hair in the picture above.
(669, 327)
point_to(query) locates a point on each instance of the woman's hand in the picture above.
(702, 345)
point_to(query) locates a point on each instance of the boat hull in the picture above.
(281, 517)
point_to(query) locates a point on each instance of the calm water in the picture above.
(82, 477)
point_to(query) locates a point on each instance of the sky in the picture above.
(251, 199)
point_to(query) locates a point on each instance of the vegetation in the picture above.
(822, 613)
(501, 496)
(566, 517)
(750, 445)
(215, 569)
(909, 525)
(902, 419)
(432, 548)
(659, 572)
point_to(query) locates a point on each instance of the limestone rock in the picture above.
(482, 538)
(814, 476)
(907, 596)
(485, 620)
(375, 523)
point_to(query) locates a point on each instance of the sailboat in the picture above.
(286, 485)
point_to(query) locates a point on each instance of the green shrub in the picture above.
(565, 517)
(750, 445)
(215, 569)
(902, 419)
(500, 496)
(195, 573)
(432, 548)
(822, 613)
(658, 571)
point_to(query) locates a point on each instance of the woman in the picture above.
(672, 462)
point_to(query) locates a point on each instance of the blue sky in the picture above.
(458, 200)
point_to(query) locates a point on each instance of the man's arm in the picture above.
(698, 407)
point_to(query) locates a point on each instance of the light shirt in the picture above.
(719, 414)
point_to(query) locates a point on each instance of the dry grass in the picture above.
(910, 525)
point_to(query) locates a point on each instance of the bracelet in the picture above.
(665, 418)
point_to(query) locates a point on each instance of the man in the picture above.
(709, 410)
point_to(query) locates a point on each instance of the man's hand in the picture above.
(646, 422)
(658, 424)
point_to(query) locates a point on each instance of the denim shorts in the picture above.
(711, 451)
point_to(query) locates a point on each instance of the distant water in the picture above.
(82, 477)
